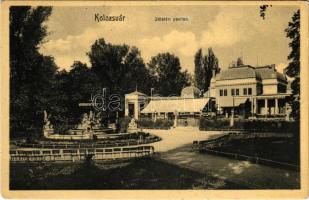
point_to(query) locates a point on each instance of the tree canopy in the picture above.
(293, 69)
(199, 69)
(31, 73)
(119, 67)
(36, 84)
(204, 67)
(166, 75)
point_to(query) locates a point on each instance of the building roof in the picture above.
(190, 92)
(176, 105)
(240, 72)
(247, 71)
(269, 72)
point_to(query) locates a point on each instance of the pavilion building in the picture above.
(189, 105)
(249, 92)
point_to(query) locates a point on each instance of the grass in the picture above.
(281, 149)
(138, 174)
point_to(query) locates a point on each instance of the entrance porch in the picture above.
(271, 106)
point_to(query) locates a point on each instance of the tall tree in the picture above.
(119, 67)
(166, 74)
(211, 64)
(199, 69)
(293, 69)
(31, 73)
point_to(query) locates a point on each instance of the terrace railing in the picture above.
(72, 155)
(120, 143)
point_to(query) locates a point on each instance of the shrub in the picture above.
(158, 124)
(123, 124)
(213, 124)
(250, 125)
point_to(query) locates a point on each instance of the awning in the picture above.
(228, 102)
(176, 105)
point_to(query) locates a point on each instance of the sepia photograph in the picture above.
(155, 96)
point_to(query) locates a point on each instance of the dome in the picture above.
(190, 92)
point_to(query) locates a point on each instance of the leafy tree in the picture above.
(204, 66)
(166, 75)
(199, 69)
(210, 63)
(31, 73)
(137, 75)
(293, 69)
(120, 67)
(83, 82)
(59, 109)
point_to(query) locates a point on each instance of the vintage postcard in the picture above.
(154, 99)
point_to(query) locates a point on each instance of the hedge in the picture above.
(250, 125)
(158, 124)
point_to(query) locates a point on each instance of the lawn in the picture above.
(138, 174)
(281, 149)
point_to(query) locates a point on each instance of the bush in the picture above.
(158, 124)
(250, 125)
(123, 124)
(213, 124)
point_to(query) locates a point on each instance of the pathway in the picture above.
(179, 136)
(175, 148)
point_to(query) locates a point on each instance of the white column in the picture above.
(255, 106)
(266, 106)
(175, 120)
(232, 119)
(276, 106)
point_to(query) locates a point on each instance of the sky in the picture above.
(231, 31)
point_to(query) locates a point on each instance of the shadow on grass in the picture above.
(138, 174)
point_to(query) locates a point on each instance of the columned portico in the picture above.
(134, 103)
(271, 105)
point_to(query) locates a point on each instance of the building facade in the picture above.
(245, 91)
(252, 91)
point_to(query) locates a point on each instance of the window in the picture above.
(249, 91)
(233, 92)
(245, 91)
(221, 93)
(237, 92)
(225, 92)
